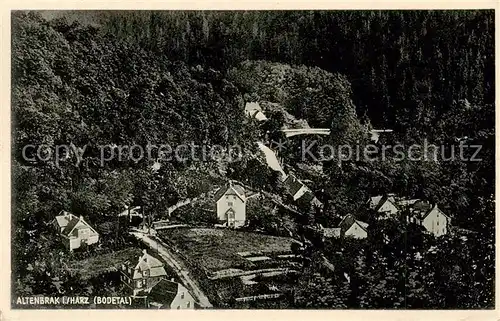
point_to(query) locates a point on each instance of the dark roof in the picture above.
(308, 196)
(421, 209)
(226, 189)
(63, 218)
(348, 221)
(380, 203)
(164, 292)
(292, 184)
(437, 208)
(73, 224)
(385, 199)
(220, 192)
(421, 206)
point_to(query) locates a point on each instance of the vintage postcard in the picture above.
(252, 159)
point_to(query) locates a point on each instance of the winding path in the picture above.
(177, 265)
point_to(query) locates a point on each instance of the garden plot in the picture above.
(220, 249)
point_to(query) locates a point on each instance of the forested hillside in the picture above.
(424, 74)
(406, 67)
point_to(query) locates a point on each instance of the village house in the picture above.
(231, 205)
(142, 276)
(253, 109)
(309, 197)
(416, 211)
(430, 217)
(348, 227)
(74, 230)
(295, 187)
(351, 227)
(384, 204)
(170, 295)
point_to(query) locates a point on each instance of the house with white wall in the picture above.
(74, 230)
(349, 227)
(141, 276)
(170, 295)
(230, 202)
(433, 219)
(384, 204)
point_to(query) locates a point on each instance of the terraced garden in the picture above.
(220, 249)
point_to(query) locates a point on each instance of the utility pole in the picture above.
(117, 227)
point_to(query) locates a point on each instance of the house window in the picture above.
(145, 273)
(188, 305)
(178, 307)
(182, 295)
(229, 203)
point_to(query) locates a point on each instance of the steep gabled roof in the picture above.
(349, 220)
(374, 201)
(315, 201)
(230, 189)
(309, 197)
(64, 218)
(75, 224)
(433, 208)
(292, 184)
(384, 200)
(71, 225)
(148, 262)
(164, 292)
(238, 189)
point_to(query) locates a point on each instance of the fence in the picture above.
(259, 297)
(161, 225)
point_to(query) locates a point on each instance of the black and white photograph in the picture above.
(252, 159)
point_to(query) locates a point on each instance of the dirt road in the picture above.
(180, 269)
